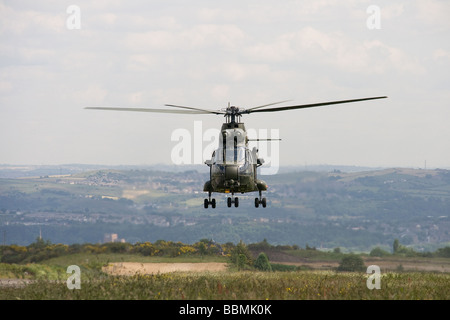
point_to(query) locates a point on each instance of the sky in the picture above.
(58, 57)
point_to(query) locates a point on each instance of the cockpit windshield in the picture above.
(235, 155)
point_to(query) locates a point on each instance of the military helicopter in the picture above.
(233, 166)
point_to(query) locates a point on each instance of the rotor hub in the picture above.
(231, 113)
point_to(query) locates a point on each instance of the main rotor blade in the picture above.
(266, 105)
(148, 110)
(310, 105)
(196, 109)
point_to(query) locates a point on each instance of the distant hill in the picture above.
(343, 207)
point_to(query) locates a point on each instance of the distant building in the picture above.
(112, 237)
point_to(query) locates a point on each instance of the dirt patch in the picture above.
(132, 268)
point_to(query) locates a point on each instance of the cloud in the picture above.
(385, 58)
(92, 95)
(336, 50)
(441, 55)
(17, 22)
(219, 37)
(5, 86)
(433, 12)
(139, 62)
(392, 11)
(220, 92)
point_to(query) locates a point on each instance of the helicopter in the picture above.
(233, 166)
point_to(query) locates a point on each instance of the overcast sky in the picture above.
(208, 53)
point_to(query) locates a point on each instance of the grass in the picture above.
(31, 271)
(48, 281)
(309, 285)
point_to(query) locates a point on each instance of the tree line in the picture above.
(241, 255)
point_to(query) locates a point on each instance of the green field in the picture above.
(39, 271)
(48, 281)
(242, 285)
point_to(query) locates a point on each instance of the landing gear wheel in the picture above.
(208, 202)
(229, 202)
(236, 202)
(260, 201)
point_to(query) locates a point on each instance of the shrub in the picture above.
(351, 262)
(263, 245)
(241, 256)
(262, 262)
(443, 252)
(378, 252)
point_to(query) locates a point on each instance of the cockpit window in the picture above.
(230, 155)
